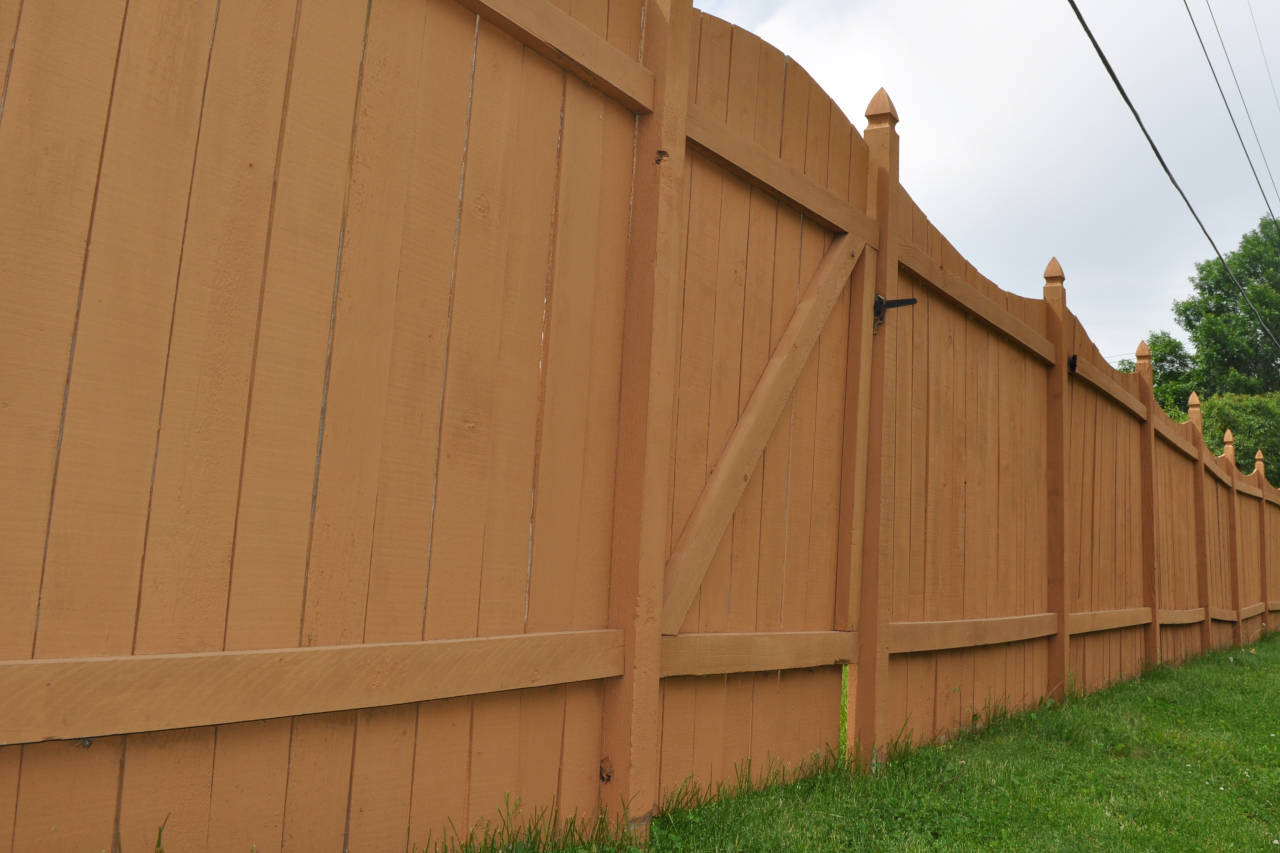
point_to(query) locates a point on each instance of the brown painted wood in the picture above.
(905, 637)
(1173, 435)
(975, 302)
(1245, 488)
(1236, 561)
(1106, 384)
(729, 476)
(93, 697)
(631, 739)
(869, 686)
(1259, 473)
(1196, 428)
(1109, 620)
(1182, 617)
(773, 174)
(714, 654)
(1251, 610)
(1223, 614)
(1147, 515)
(573, 46)
(1056, 473)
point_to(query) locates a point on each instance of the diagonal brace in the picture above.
(697, 544)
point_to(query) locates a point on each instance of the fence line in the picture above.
(405, 411)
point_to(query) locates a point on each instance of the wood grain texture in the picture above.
(963, 633)
(767, 171)
(1108, 620)
(730, 474)
(714, 654)
(975, 302)
(92, 697)
(632, 727)
(1100, 379)
(573, 46)
(1185, 616)
(1251, 610)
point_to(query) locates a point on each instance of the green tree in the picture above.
(1232, 353)
(1172, 372)
(1233, 364)
(1254, 421)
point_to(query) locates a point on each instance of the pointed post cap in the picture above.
(881, 111)
(1229, 445)
(1228, 438)
(1054, 292)
(1193, 402)
(1193, 411)
(1257, 457)
(1259, 466)
(1143, 354)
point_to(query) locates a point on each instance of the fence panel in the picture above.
(1104, 512)
(1176, 550)
(399, 424)
(748, 262)
(964, 504)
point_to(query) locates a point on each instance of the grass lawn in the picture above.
(1181, 759)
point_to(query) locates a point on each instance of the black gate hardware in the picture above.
(882, 305)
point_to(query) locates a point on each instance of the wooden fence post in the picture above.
(873, 598)
(1055, 297)
(1260, 478)
(631, 738)
(1150, 572)
(1229, 451)
(1202, 544)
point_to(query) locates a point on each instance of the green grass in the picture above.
(1181, 759)
(1184, 759)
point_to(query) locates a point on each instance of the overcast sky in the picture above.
(1018, 148)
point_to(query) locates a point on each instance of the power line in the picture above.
(1231, 115)
(1243, 102)
(1134, 110)
(1270, 77)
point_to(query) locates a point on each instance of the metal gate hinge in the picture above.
(882, 305)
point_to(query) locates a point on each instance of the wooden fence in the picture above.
(410, 405)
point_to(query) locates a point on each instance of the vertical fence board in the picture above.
(49, 167)
(339, 577)
(190, 531)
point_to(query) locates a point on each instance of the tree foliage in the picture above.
(1233, 353)
(1233, 364)
(1254, 421)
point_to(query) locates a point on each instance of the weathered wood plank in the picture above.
(1251, 610)
(1109, 387)
(714, 654)
(964, 633)
(1172, 435)
(974, 302)
(775, 175)
(573, 46)
(92, 697)
(1108, 620)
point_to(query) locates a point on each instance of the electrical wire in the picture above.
(1271, 78)
(1231, 115)
(1168, 173)
(1243, 102)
